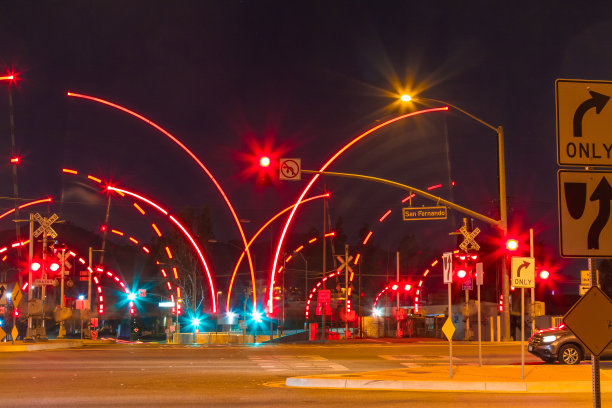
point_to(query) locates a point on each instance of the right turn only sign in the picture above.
(584, 213)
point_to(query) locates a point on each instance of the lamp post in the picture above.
(503, 224)
(305, 279)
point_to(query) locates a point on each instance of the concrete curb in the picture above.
(488, 379)
(50, 345)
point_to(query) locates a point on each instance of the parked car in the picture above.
(560, 344)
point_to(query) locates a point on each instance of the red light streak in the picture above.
(312, 240)
(25, 286)
(202, 166)
(134, 240)
(144, 248)
(367, 238)
(329, 234)
(169, 285)
(15, 160)
(70, 171)
(410, 197)
(259, 231)
(381, 219)
(117, 232)
(163, 272)
(357, 259)
(435, 186)
(4, 258)
(175, 273)
(288, 258)
(7, 77)
(146, 200)
(97, 180)
(3, 250)
(95, 278)
(157, 231)
(140, 210)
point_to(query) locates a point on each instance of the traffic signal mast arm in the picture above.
(432, 197)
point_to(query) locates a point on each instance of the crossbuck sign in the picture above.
(469, 242)
(45, 225)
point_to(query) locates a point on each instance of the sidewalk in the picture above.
(541, 378)
(50, 344)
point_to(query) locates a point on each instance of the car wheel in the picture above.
(570, 354)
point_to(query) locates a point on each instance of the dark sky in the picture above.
(305, 77)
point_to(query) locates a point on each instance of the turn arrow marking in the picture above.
(522, 266)
(597, 101)
(602, 193)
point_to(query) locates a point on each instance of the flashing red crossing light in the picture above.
(16, 312)
(512, 244)
(461, 273)
(54, 266)
(544, 274)
(35, 266)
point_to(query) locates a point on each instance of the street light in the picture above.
(305, 277)
(503, 223)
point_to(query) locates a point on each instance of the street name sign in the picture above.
(424, 213)
(584, 213)
(523, 272)
(590, 319)
(584, 122)
(290, 169)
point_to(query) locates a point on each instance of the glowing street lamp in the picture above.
(503, 222)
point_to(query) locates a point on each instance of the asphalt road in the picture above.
(243, 376)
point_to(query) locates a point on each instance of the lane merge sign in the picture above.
(584, 122)
(584, 213)
(424, 213)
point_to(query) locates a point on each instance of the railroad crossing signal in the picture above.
(45, 225)
(469, 243)
(342, 263)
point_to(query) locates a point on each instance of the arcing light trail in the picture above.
(263, 227)
(314, 179)
(195, 158)
(185, 233)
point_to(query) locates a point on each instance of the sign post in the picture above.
(584, 123)
(479, 282)
(448, 328)
(522, 276)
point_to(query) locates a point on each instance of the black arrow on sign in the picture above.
(522, 266)
(603, 193)
(597, 101)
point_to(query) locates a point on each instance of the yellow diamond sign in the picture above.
(2, 334)
(14, 333)
(448, 329)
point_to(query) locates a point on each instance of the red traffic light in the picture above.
(512, 244)
(264, 161)
(544, 274)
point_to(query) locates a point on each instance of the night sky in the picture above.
(303, 78)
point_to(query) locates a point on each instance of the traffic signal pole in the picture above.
(29, 335)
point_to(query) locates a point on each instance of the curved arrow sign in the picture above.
(523, 272)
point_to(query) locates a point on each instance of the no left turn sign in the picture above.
(290, 169)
